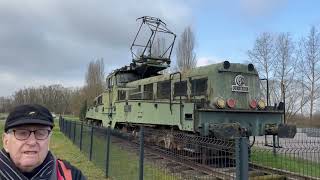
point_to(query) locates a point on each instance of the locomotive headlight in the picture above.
(220, 103)
(261, 104)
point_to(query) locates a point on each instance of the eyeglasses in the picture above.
(24, 134)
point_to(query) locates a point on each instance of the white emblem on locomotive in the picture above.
(240, 85)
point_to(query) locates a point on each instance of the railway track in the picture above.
(184, 168)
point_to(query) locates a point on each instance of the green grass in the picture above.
(3, 116)
(71, 117)
(123, 164)
(285, 161)
(63, 148)
(130, 161)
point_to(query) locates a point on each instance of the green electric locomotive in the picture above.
(218, 100)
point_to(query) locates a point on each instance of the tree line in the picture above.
(59, 99)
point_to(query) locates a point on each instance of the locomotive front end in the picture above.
(236, 106)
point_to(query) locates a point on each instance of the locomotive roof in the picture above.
(202, 71)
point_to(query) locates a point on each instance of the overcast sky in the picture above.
(46, 42)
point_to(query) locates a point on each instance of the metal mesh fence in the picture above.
(72, 131)
(99, 147)
(77, 137)
(298, 158)
(172, 155)
(86, 138)
(165, 154)
(309, 132)
(124, 160)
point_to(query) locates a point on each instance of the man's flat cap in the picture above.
(29, 114)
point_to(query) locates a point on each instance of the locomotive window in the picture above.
(199, 87)
(125, 77)
(121, 95)
(148, 91)
(163, 90)
(135, 93)
(100, 100)
(109, 83)
(180, 88)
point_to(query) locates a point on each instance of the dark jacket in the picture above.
(75, 172)
(47, 170)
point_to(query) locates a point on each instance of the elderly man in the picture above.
(25, 154)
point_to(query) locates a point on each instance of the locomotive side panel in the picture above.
(155, 114)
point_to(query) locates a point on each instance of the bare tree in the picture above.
(159, 51)
(285, 66)
(95, 83)
(262, 56)
(159, 47)
(310, 54)
(52, 96)
(6, 104)
(301, 84)
(77, 98)
(186, 57)
(285, 62)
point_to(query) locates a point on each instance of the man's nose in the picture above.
(32, 139)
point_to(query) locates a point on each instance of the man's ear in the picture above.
(5, 140)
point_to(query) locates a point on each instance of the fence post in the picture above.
(242, 165)
(64, 126)
(274, 144)
(69, 129)
(70, 132)
(141, 154)
(81, 131)
(60, 122)
(74, 132)
(91, 143)
(108, 151)
(61, 125)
